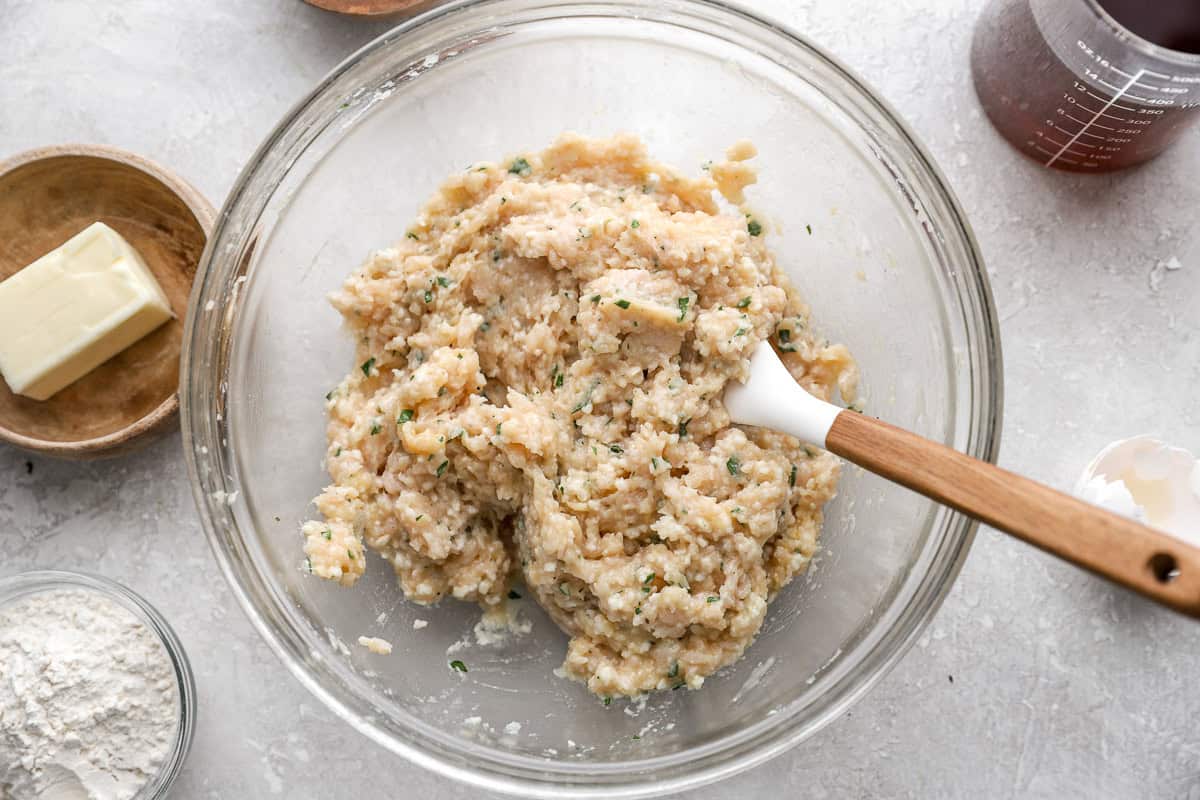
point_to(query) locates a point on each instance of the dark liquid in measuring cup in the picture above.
(1173, 24)
(1080, 109)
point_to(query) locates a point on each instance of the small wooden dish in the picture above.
(370, 8)
(46, 197)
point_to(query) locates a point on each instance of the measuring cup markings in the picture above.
(1093, 122)
(1122, 128)
(1100, 107)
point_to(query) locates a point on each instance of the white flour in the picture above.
(88, 698)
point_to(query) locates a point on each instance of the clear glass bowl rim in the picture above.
(205, 363)
(36, 581)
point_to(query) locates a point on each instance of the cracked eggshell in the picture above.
(1149, 481)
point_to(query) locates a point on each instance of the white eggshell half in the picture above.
(1147, 480)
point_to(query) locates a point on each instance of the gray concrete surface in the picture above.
(1035, 680)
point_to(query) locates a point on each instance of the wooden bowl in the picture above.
(46, 197)
(370, 8)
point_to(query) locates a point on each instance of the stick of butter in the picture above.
(73, 309)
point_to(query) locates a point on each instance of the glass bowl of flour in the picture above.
(97, 698)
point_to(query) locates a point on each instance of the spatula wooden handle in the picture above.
(1147, 561)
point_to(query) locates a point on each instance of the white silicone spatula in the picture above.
(1145, 560)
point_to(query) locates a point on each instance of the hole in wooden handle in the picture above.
(1164, 566)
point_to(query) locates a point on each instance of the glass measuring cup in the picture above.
(1089, 85)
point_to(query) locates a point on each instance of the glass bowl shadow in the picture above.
(858, 214)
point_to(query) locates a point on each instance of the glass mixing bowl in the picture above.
(889, 267)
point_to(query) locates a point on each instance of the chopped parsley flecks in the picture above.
(646, 581)
(595, 298)
(367, 365)
(350, 553)
(327, 534)
(329, 394)
(622, 304)
(792, 477)
(744, 302)
(635, 224)
(458, 665)
(809, 229)
(683, 307)
(586, 399)
(683, 423)
(411, 235)
(608, 701)
(616, 448)
(428, 296)
(712, 598)
(405, 416)
(674, 670)
(754, 227)
(442, 468)
(520, 167)
(375, 428)
(443, 281)
(734, 465)
(785, 341)
(741, 331)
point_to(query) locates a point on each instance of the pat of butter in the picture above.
(73, 309)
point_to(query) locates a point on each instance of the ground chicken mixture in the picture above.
(536, 398)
